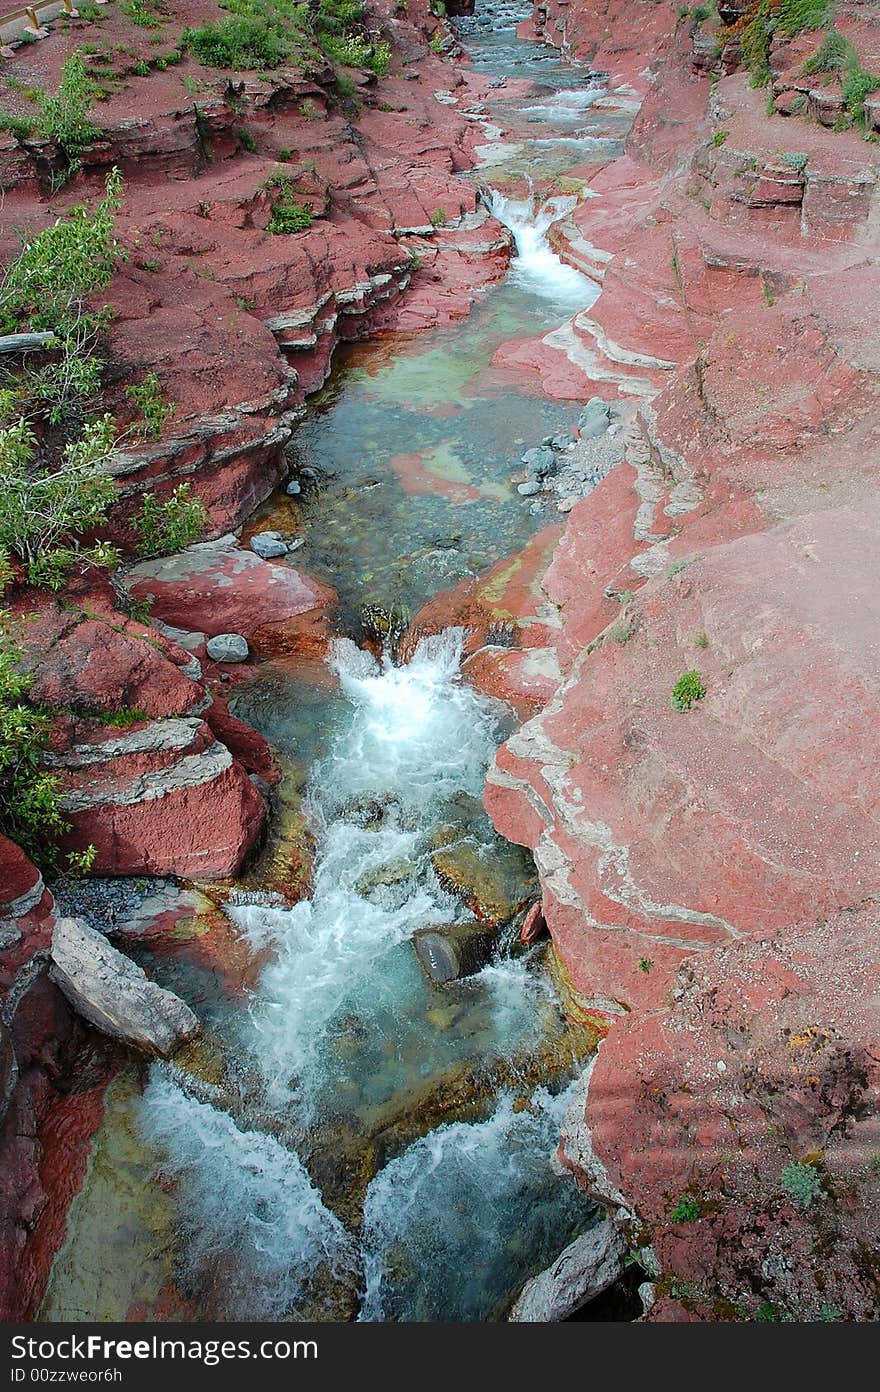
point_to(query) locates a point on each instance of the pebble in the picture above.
(293, 488)
(308, 472)
(529, 489)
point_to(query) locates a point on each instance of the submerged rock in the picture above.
(586, 1268)
(114, 994)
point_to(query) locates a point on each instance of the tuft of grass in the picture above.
(125, 718)
(701, 640)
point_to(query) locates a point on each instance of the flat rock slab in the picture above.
(114, 994)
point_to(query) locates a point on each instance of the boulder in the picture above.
(268, 545)
(587, 1267)
(114, 994)
(453, 950)
(228, 647)
(529, 489)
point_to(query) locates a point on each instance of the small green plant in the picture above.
(288, 218)
(141, 69)
(125, 718)
(794, 16)
(688, 689)
(769, 297)
(686, 1210)
(701, 640)
(795, 159)
(702, 13)
(243, 303)
(621, 633)
(81, 862)
(438, 218)
(169, 526)
(151, 265)
(645, 964)
(437, 42)
(718, 138)
(802, 1183)
(155, 410)
(21, 127)
(247, 139)
(309, 110)
(139, 610)
(141, 13)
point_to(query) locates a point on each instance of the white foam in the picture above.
(536, 266)
(252, 1218)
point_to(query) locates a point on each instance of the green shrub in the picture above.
(857, 85)
(154, 409)
(240, 42)
(802, 1183)
(19, 126)
(141, 13)
(64, 115)
(833, 54)
(719, 137)
(688, 689)
(438, 218)
(47, 504)
(246, 139)
(290, 217)
(169, 526)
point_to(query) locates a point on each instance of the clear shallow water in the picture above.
(347, 1139)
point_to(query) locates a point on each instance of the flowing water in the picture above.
(348, 1141)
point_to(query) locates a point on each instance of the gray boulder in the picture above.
(114, 994)
(268, 545)
(594, 419)
(528, 490)
(587, 1267)
(227, 647)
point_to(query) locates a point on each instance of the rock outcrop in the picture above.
(586, 1268)
(113, 993)
(725, 851)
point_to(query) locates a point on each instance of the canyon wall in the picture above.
(710, 865)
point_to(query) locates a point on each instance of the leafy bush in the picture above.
(688, 689)
(64, 115)
(246, 139)
(241, 42)
(169, 526)
(154, 409)
(29, 796)
(47, 504)
(290, 217)
(802, 1183)
(141, 13)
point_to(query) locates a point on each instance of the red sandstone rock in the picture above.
(217, 587)
(767, 1057)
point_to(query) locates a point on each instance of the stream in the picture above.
(347, 1141)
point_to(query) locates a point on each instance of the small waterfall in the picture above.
(536, 267)
(255, 1225)
(412, 738)
(472, 1199)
